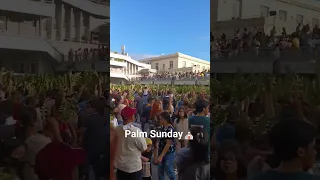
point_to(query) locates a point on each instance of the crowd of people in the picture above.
(303, 39)
(147, 110)
(177, 75)
(54, 135)
(100, 53)
(266, 130)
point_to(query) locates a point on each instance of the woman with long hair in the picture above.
(181, 125)
(166, 149)
(230, 165)
(193, 162)
(155, 111)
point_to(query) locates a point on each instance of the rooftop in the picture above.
(177, 54)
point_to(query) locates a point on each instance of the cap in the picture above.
(148, 141)
(127, 112)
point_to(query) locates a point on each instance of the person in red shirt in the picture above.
(58, 161)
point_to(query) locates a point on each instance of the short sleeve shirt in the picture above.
(163, 141)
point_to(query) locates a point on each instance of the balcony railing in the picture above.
(104, 2)
(116, 71)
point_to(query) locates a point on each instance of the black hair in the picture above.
(234, 147)
(289, 135)
(28, 118)
(150, 99)
(6, 107)
(99, 106)
(166, 116)
(178, 116)
(199, 144)
(200, 105)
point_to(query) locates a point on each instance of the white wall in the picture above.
(251, 9)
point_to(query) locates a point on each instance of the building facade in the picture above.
(177, 62)
(229, 15)
(124, 68)
(36, 35)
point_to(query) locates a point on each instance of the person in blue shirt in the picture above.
(201, 119)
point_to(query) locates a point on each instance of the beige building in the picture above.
(177, 62)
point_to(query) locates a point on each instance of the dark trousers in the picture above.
(121, 175)
(146, 178)
(98, 163)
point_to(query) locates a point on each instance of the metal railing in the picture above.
(253, 54)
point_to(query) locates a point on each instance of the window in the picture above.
(171, 64)
(163, 66)
(314, 22)
(264, 11)
(203, 68)
(299, 19)
(33, 68)
(157, 66)
(283, 15)
(184, 64)
(21, 68)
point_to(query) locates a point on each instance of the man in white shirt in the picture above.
(128, 158)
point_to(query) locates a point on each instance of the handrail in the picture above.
(57, 51)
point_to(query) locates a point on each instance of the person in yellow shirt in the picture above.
(296, 42)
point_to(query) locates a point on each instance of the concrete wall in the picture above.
(228, 9)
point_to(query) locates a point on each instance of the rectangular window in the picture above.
(21, 68)
(283, 15)
(157, 66)
(184, 64)
(33, 68)
(299, 19)
(164, 67)
(264, 11)
(171, 64)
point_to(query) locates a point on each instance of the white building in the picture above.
(35, 35)
(177, 62)
(229, 15)
(123, 67)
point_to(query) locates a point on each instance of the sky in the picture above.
(150, 28)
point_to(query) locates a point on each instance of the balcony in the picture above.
(117, 73)
(118, 63)
(97, 10)
(28, 44)
(301, 61)
(28, 7)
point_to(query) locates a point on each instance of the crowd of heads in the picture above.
(257, 40)
(145, 110)
(177, 75)
(53, 135)
(100, 53)
(265, 138)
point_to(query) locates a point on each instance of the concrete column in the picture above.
(40, 27)
(58, 21)
(72, 24)
(87, 27)
(81, 31)
(62, 23)
(49, 28)
(68, 23)
(78, 25)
